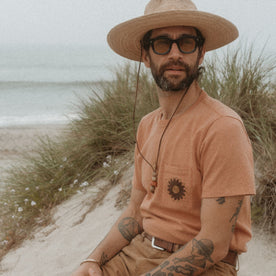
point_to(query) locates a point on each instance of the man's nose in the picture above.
(174, 52)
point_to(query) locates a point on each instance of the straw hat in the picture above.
(125, 38)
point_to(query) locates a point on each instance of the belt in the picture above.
(161, 244)
(230, 258)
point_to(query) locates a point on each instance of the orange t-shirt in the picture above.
(205, 153)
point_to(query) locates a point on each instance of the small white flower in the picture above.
(27, 189)
(60, 189)
(26, 200)
(13, 190)
(64, 159)
(105, 165)
(37, 187)
(116, 172)
(20, 209)
(33, 203)
(109, 158)
(4, 242)
(5, 203)
(84, 184)
(61, 166)
(13, 216)
(75, 181)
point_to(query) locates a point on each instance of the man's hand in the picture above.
(88, 269)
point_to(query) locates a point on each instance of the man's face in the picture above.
(175, 70)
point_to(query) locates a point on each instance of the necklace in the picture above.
(154, 167)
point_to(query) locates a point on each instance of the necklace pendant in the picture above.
(153, 186)
(153, 182)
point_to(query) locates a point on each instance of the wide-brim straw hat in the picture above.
(125, 38)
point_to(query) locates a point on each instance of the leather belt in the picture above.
(230, 258)
(161, 244)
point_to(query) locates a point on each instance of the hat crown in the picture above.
(156, 6)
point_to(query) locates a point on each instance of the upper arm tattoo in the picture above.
(129, 228)
(221, 200)
(234, 218)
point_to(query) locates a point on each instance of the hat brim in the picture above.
(125, 38)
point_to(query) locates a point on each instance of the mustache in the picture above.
(178, 63)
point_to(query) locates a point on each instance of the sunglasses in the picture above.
(186, 44)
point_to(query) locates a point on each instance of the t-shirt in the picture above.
(205, 153)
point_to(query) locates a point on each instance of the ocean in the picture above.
(44, 84)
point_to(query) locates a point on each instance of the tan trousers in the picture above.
(139, 257)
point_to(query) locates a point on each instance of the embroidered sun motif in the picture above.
(176, 189)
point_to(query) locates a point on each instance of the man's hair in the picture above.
(145, 43)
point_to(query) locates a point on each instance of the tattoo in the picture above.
(234, 218)
(159, 272)
(184, 270)
(129, 228)
(104, 259)
(200, 255)
(221, 200)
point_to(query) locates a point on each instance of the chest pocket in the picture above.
(178, 187)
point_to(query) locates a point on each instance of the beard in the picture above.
(174, 84)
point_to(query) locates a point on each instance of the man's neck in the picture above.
(169, 100)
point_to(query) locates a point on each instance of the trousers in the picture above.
(139, 257)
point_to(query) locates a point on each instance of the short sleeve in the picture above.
(226, 160)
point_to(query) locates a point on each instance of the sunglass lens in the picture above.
(187, 44)
(161, 45)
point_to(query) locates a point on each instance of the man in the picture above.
(189, 212)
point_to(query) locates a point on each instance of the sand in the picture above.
(57, 249)
(16, 140)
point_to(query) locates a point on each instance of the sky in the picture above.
(82, 22)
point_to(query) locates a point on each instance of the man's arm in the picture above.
(122, 232)
(218, 220)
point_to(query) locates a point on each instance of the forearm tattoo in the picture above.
(104, 259)
(199, 259)
(234, 218)
(129, 228)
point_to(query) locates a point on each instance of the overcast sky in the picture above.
(88, 21)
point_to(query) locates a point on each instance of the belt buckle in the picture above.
(155, 246)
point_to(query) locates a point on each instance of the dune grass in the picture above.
(100, 143)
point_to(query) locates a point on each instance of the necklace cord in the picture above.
(167, 126)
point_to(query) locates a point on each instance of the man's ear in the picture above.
(146, 58)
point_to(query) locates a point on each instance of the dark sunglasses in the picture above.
(186, 44)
